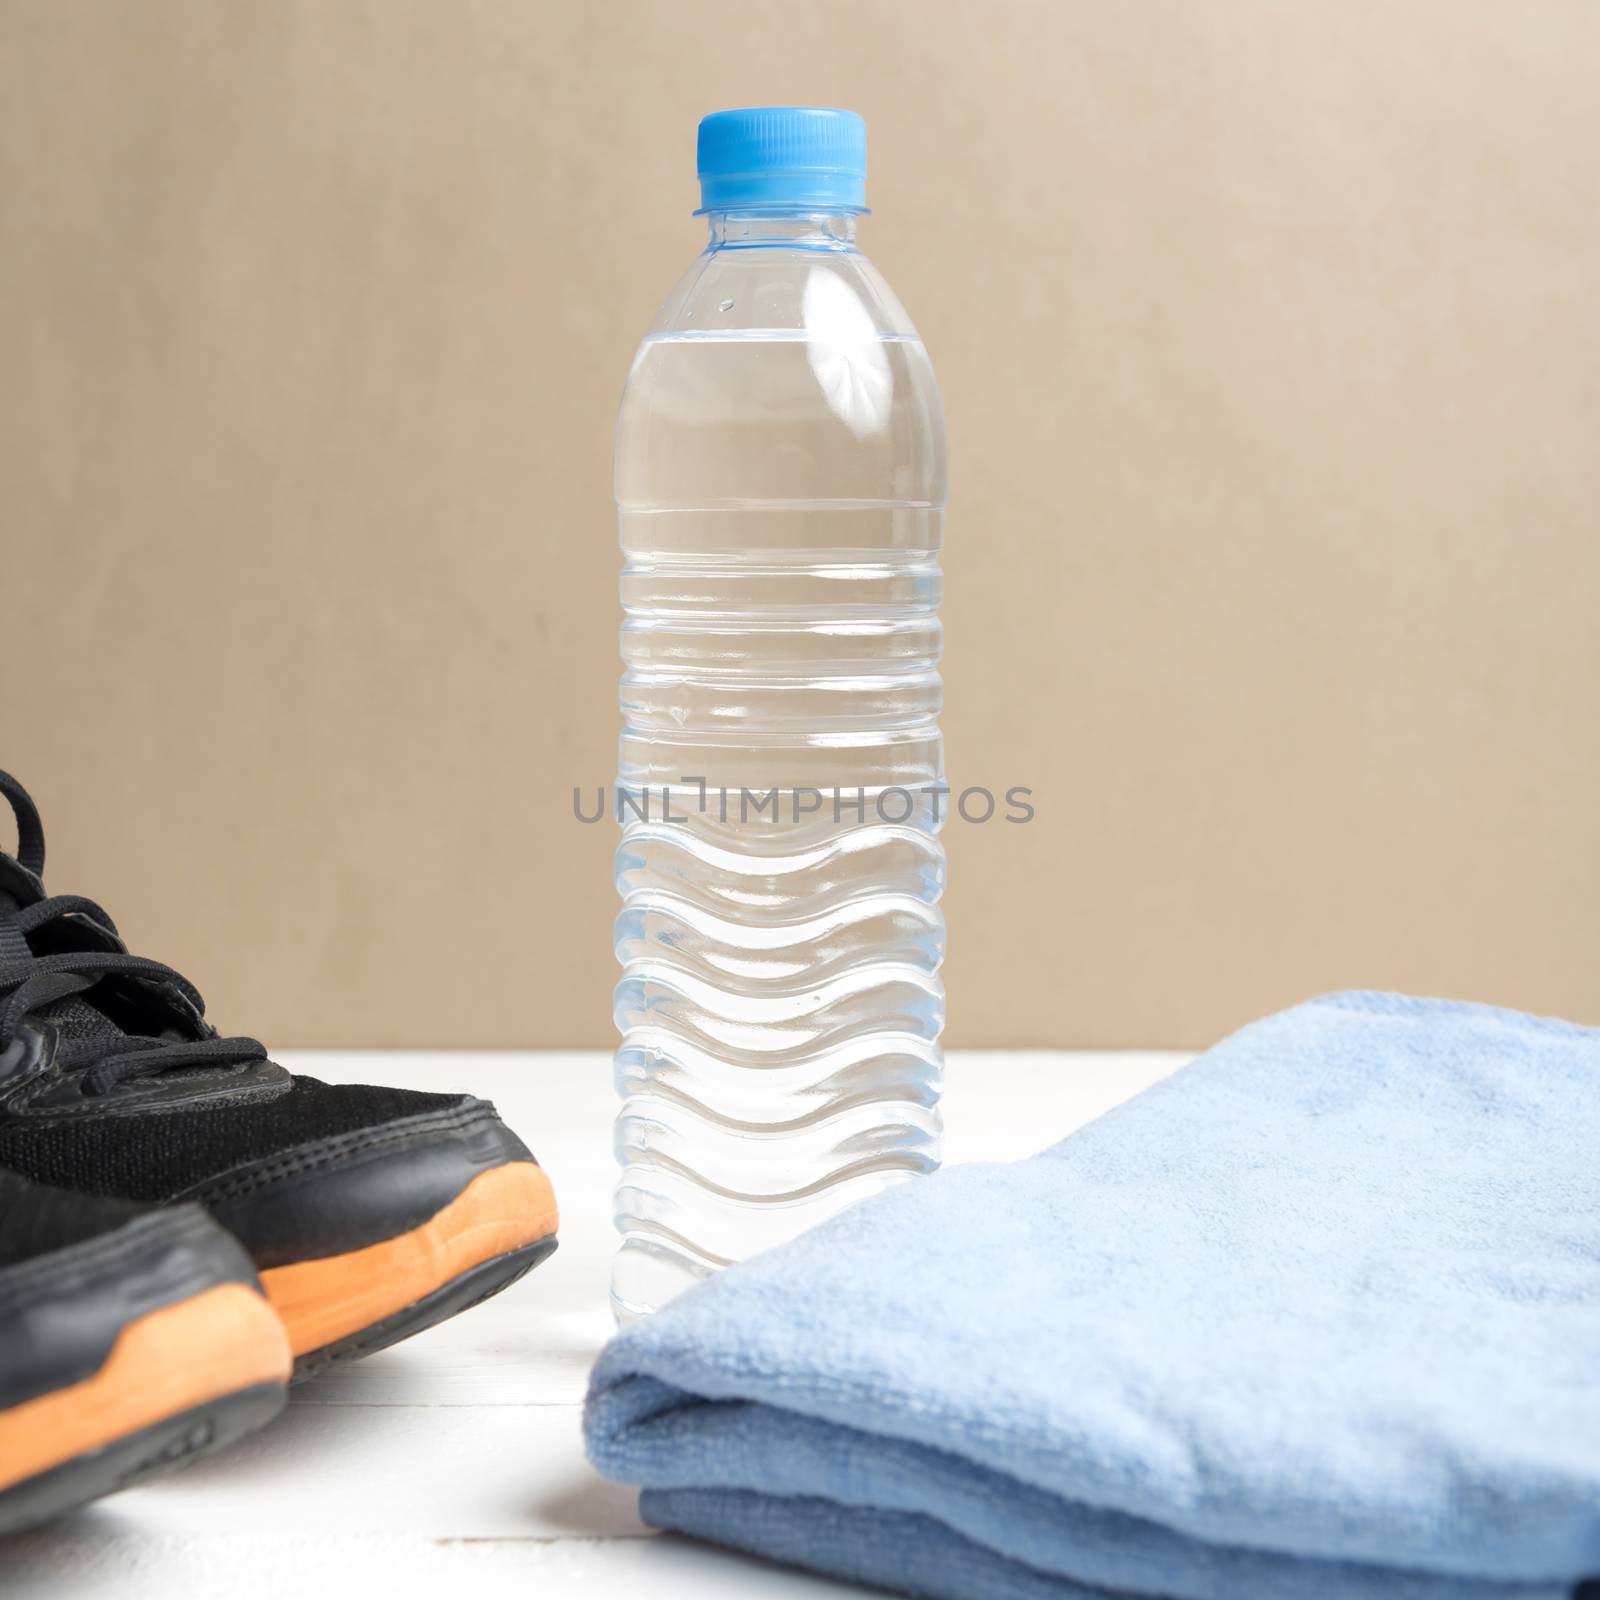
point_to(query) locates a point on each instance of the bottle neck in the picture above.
(766, 230)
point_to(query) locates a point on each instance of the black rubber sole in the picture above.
(161, 1447)
(481, 1283)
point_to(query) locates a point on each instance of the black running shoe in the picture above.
(370, 1213)
(131, 1339)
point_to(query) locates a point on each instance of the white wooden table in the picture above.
(454, 1461)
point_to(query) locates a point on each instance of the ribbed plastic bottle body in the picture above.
(780, 479)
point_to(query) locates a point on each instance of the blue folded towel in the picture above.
(1317, 1316)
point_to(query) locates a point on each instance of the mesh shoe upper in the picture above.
(118, 1025)
(156, 1156)
(37, 1221)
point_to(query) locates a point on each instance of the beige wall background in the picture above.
(1270, 337)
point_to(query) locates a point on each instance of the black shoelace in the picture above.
(30, 982)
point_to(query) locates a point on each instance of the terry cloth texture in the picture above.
(1317, 1316)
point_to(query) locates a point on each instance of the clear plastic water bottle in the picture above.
(780, 483)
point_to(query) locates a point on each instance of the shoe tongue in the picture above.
(76, 1021)
(13, 942)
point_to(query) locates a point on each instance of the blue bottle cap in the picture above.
(782, 158)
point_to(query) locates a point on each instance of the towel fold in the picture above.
(1319, 1315)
